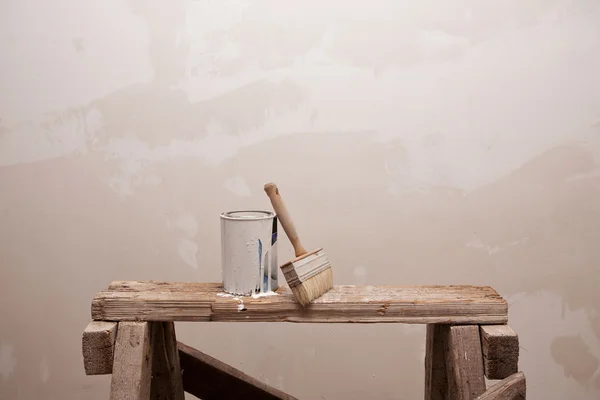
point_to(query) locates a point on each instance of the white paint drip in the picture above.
(7, 361)
(241, 305)
(264, 294)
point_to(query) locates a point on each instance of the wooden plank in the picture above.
(210, 379)
(97, 347)
(464, 363)
(436, 384)
(132, 365)
(500, 346)
(512, 388)
(178, 301)
(167, 382)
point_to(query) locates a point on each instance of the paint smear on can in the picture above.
(260, 270)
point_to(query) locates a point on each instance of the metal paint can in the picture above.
(249, 252)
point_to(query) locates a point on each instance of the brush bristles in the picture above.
(313, 287)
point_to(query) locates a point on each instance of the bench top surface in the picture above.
(190, 301)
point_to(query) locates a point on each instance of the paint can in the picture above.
(249, 252)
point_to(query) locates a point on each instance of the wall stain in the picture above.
(7, 361)
(266, 41)
(79, 44)
(3, 129)
(158, 113)
(538, 206)
(574, 355)
(427, 231)
(537, 201)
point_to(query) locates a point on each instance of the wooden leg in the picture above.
(500, 346)
(167, 383)
(205, 377)
(511, 388)
(132, 364)
(98, 346)
(436, 383)
(210, 379)
(464, 363)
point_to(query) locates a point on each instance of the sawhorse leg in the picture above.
(146, 363)
(456, 362)
(149, 352)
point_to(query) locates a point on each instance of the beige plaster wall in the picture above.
(419, 142)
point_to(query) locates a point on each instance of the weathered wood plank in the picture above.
(163, 301)
(512, 388)
(97, 347)
(132, 364)
(167, 382)
(500, 346)
(464, 363)
(210, 379)
(436, 383)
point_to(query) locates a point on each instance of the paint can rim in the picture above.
(247, 215)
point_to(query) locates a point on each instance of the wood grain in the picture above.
(178, 301)
(132, 365)
(500, 345)
(464, 363)
(167, 382)
(436, 383)
(97, 347)
(210, 379)
(512, 388)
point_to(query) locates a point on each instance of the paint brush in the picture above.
(309, 275)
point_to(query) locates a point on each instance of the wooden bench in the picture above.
(133, 337)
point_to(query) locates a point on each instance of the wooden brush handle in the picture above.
(284, 217)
